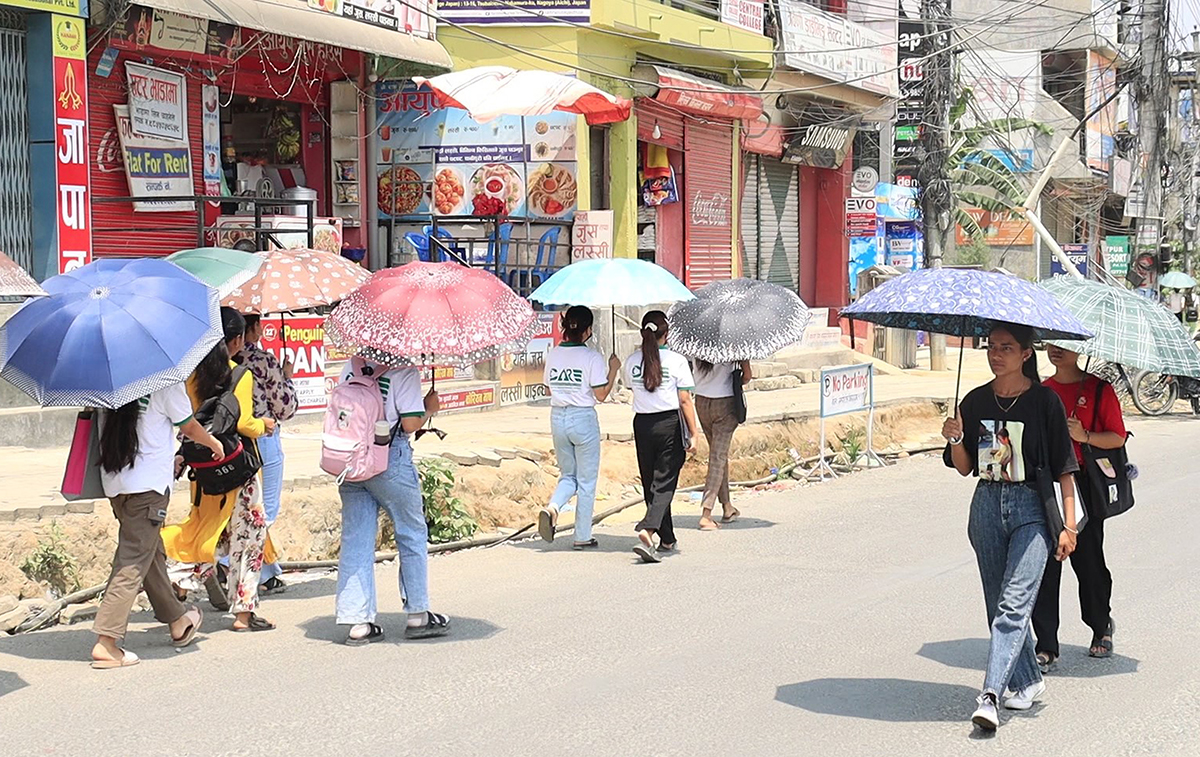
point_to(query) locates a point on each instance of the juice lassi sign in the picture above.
(301, 340)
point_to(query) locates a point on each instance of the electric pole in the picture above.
(936, 196)
(1153, 101)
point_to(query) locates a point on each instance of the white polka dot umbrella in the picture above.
(297, 280)
(431, 314)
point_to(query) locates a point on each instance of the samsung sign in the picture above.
(820, 146)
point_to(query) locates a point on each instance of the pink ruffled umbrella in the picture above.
(487, 92)
(15, 282)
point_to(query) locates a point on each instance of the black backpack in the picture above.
(219, 415)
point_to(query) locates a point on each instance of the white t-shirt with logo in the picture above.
(153, 468)
(677, 377)
(401, 389)
(716, 383)
(573, 373)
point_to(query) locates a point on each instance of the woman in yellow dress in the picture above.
(235, 522)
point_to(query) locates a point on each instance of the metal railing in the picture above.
(264, 236)
(520, 267)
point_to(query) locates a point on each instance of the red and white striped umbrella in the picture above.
(488, 92)
(431, 313)
(297, 280)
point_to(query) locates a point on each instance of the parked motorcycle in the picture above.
(1155, 394)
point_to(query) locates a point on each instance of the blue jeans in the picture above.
(271, 449)
(397, 490)
(1007, 528)
(577, 446)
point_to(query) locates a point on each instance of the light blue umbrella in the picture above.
(1177, 280)
(611, 282)
(109, 333)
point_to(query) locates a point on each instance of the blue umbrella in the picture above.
(109, 333)
(610, 282)
(1176, 280)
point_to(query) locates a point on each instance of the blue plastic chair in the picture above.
(497, 251)
(420, 243)
(450, 240)
(547, 252)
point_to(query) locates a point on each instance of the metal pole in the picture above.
(936, 196)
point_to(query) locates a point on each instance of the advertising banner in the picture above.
(410, 16)
(440, 161)
(861, 220)
(744, 14)
(157, 102)
(846, 390)
(466, 399)
(301, 340)
(210, 103)
(1078, 255)
(1116, 255)
(150, 27)
(521, 374)
(838, 49)
(999, 229)
(72, 181)
(592, 235)
(522, 12)
(154, 167)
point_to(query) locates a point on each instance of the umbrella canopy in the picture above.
(221, 268)
(1177, 280)
(610, 282)
(109, 333)
(965, 303)
(427, 313)
(489, 92)
(15, 282)
(297, 280)
(1129, 329)
(742, 319)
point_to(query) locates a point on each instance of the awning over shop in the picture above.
(763, 137)
(695, 95)
(293, 18)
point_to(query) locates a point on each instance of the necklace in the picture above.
(1000, 405)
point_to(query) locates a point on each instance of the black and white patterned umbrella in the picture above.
(742, 319)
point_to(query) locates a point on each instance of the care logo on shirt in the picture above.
(566, 377)
(636, 373)
(143, 404)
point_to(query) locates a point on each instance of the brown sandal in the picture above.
(256, 624)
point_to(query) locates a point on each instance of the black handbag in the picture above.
(1046, 481)
(739, 396)
(1107, 472)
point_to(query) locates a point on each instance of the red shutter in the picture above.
(116, 229)
(708, 214)
(670, 123)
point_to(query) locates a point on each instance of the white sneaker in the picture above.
(1024, 699)
(986, 716)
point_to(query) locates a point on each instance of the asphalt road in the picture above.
(840, 619)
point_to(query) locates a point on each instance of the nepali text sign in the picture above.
(72, 180)
(592, 235)
(522, 374)
(849, 389)
(522, 12)
(1116, 255)
(157, 102)
(155, 167)
(1077, 254)
(841, 50)
(72, 7)
(302, 341)
(467, 399)
(410, 16)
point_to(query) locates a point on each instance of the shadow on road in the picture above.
(562, 543)
(75, 645)
(971, 654)
(891, 700)
(10, 682)
(461, 629)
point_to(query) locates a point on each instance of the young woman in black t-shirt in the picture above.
(1003, 432)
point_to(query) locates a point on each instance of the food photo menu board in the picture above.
(440, 161)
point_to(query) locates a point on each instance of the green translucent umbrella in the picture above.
(1129, 329)
(1177, 280)
(222, 269)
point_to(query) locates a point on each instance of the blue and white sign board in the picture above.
(1077, 254)
(848, 389)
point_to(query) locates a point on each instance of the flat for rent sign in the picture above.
(301, 340)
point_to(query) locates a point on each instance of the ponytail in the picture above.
(118, 438)
(575, 323)
(654, 327)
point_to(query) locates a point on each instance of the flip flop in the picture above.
(189, 635)
(589, 544)
(648, 554)
(256, 624)
(711, 527)
(546, 524)
(731, 518)
(128, 660)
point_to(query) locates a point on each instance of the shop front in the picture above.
(259, 104)
(770, 233)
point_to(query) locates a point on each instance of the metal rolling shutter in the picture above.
(710, 197)
(16, 224)
(750, 235)
(779, 196)
(669, 122)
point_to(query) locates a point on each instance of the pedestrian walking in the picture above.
(578, 379)
(137, 451)
(664, 430)
(1093, 418)
(1013, 414)
(213, 529)
(716, 408)
(1174, 302)
(397, 490)
(275, 398)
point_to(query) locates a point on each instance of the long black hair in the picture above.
(576, 321)
(119, 437)
(654, 327)
(1024, 337)
(212, 376)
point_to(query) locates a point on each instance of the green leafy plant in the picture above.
(52, 564)
(853, 442)
(448, 520)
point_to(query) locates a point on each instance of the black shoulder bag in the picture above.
(739, 396)
(1048, 492)
(1107, 473)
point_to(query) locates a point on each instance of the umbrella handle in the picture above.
(958, 382)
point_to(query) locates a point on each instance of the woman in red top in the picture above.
(1099, 425)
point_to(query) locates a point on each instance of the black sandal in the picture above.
(1105, 645)
(376, 634)
(435, 625)
(1046, 661)
(589, 544)
(256, 624)
(272, 586)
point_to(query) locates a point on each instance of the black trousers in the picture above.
(660, 453)
(1095, 583)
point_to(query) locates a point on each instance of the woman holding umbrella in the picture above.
(717, 412)
(1007, 525)
(664, 429)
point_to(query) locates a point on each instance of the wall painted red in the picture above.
(669, 231)
(824, 249)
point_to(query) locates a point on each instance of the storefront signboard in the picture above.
(838, 49)
(164, 30)
(301, 340)
(210, 112)
(68, 7)
(1077, 254)
(999, 229)
(72, 181)
(155, 167)
(592, 235)
(522, 374)
(409, 16)
(521, 12)
(440, 161)
(467, 399)
(744, 14)
(157, 102)
(861, 218)
(1116, 255)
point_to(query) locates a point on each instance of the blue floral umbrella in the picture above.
(965, 303)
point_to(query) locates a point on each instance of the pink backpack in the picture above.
(348, 447)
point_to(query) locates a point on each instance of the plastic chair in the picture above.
(496, 259)
(420, 243)
(450, 240)
(547, 252)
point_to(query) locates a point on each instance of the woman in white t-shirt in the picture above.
(664, 429)
(137, 466)
(717, 411)
(577, 379)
